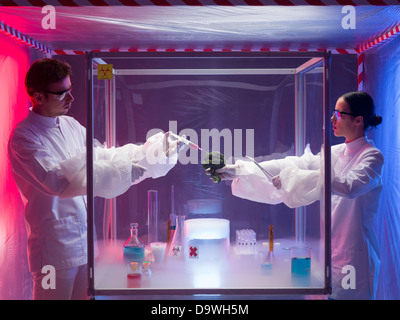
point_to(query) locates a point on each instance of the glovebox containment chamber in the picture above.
(266, 105)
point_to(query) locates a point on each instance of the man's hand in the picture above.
(170, 147)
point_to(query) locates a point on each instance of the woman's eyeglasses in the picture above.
(338, 114)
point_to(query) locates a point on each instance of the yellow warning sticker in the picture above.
(105, 71)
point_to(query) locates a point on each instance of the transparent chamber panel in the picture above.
(264, 107)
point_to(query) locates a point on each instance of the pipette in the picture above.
(186, 141)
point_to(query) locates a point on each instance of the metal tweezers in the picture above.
(266, 173)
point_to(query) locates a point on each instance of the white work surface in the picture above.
(239, 271)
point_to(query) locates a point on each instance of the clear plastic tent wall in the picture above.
(382, 70)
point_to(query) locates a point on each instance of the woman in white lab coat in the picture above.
(356, 187)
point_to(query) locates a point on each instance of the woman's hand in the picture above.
(276, 181)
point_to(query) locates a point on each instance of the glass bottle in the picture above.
(133, 249)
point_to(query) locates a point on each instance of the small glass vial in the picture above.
(146, 271)
(134, 270)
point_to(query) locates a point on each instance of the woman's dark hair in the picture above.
(361, 104)
(43, 72)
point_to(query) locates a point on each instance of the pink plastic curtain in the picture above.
(15, 281)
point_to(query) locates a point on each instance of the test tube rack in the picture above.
(246, 242)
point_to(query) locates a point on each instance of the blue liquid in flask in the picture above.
(133, 253)
(301, 265)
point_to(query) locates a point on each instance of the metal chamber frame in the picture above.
(321, 60)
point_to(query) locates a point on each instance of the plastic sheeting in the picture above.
(15, 280)
(382, 69)
(213, 27)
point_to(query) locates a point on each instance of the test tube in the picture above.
(152, 216)
(172, 226)
(172, 221)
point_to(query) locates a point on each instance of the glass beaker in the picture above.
(300, 260)
(267, 259)
(158, 249)
(177, 245)
(152, 216)
(146, 270)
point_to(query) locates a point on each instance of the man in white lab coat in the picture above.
(47, 151)
(356, 187)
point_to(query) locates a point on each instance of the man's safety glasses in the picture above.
(60, 94)
(338, 114)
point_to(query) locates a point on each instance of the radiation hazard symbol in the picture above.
(104, 71)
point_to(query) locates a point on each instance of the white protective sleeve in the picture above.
(253, 185)
(303, 187)
(111, 173)
(112, 167)
(300, 177)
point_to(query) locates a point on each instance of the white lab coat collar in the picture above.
(43, 121)
(355, 145)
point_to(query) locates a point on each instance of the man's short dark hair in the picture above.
(44, 72)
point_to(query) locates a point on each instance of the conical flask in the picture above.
(176, 248)
(133, 249)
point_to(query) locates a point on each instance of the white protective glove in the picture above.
(238, 169)
(159, 154)
(137, 171)
(276, 181)
(229, 172)
(170, 147)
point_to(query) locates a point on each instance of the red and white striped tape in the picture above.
(76, 3)
(334, 51)
(380, 40)
(360, 53)
(5, 29)
(360, 73)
